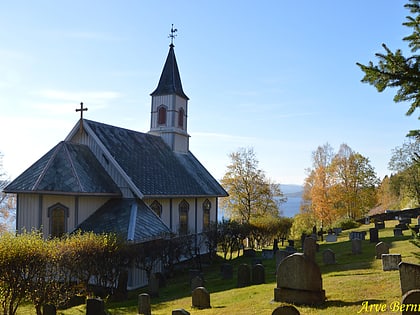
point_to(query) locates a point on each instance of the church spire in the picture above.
(170, 80)
(170, 105)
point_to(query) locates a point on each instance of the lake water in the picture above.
(291, 206)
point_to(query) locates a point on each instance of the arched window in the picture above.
(156, 207)
(206, 214)
(58, 215)
(162, 115)
(181, 115)
(183, 217)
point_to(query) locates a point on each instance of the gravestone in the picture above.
(390, 261)
(328, 257)
(201, 298)
(357, 235)
(356, 246)
(161, 278)
(409, 276)
(49, 309)
(244, 275)
(153, 285)
(121, 293)
(398, 232)
(196, 282)
(381, 248)
(373, 235)
(285, 310)
(331, 238)
(180, 311)
(226, 271)
(411, 302)
(337, 231)
(309, 248)
(143, 306)
(258, 274)
(95, 306)
(299, 281)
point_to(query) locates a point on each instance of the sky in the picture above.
(276, 76)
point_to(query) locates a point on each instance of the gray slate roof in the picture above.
(129, 218)
(153, 167)
(170, 80)
(68, 168)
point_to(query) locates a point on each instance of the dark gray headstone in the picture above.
(328, 257)
(153, 285)
(411, 302)
(244, 275)
(201, 298)
(373, 235)
(379, 225)
(409, 276)
(309, 248)
(390, 261)
(95, 306)
(398, 232)
(144, 307)
(381, 248)
(226, 271)
(285, 310)
(330, 238)
(258, 274)
(356, 246)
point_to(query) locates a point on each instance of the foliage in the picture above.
(406, 182)
(230, 235)
(251, 193)
(347, 224)
(394, 70)
(263, 230)
(302, 224)
(7, 201)
(339, 185)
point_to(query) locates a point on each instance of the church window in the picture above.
(206, 214)
(183, 217)
(162, 115)
(58, 215)
(157, 208)
(181, 115)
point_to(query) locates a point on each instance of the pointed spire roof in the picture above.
(170, 80)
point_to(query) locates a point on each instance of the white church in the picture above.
(104, 178)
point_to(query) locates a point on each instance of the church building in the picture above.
(104, 178)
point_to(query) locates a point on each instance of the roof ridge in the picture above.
(73, 169)
(45, 169)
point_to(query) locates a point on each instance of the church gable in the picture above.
(68, 168)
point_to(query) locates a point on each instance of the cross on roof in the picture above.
(81, 110)
(172, 35)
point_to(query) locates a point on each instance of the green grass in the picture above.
(350, 282)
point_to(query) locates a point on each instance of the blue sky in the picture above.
(277, 76)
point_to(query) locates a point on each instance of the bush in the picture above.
(347, 224)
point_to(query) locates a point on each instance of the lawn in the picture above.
(354, 280)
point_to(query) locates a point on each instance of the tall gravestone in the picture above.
(258, 274)
(299, 281)
(244, 275)
(356, 246)
(409, 276)
(201, 298)
(309, 248)
(95, 306)
(143, 306)
(381, 248)
(373, 235)
(390, 261)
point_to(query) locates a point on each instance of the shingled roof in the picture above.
(68, 168)
(131, 219)
(170, 80)
(154, 168)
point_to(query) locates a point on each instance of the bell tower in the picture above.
(170, 105)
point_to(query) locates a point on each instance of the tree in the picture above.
(394, 70)
(251, 193)
(340, 185)
(7, 201)
(406, 181)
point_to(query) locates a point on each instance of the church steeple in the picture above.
(170, 105)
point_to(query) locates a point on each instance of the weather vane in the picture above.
(172, 35)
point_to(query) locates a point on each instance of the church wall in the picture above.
(28, 212)
(88, 205)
